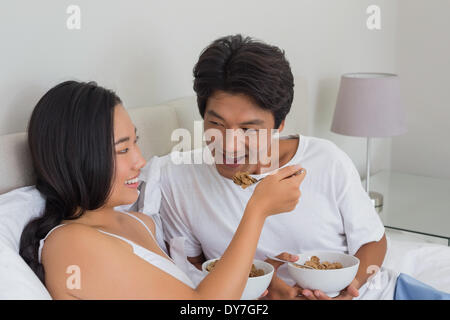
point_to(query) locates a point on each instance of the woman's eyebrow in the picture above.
(121, 140)
(124, 139)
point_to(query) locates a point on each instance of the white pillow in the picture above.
(17, 280)
(17, 208)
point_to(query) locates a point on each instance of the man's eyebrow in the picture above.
(215, 114)
(124, 139)
(255, 122)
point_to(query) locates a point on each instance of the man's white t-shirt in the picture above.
(334, 212)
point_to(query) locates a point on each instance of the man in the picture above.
(244, 85)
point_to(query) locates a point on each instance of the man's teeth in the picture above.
(231, 160)
(132, 181)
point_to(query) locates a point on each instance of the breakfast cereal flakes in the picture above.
(254, 272)
(314, 262)
(243, 179)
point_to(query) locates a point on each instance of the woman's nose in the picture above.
(140, 160)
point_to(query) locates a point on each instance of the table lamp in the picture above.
(369, 105)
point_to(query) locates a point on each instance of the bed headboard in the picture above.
(155, 125)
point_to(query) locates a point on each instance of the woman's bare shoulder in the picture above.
(78, 251)
(72, 231)
(146, 219)
(74, 238)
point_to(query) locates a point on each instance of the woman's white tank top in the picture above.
(165, 264)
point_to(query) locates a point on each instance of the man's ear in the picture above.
(281, 127)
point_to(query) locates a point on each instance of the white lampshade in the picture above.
(369, 105)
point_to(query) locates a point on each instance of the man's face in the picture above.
(246, 131)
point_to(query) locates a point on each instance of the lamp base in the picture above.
(377, 200)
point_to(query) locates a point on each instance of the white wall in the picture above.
(424, 67)
(145, 50)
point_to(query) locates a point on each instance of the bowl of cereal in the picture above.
(258, 280)
(331, 273)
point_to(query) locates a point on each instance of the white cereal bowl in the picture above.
(331, 282)
(255, 286)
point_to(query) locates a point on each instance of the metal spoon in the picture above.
(254, 180)
(296, 263)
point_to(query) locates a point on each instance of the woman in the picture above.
(84, 152)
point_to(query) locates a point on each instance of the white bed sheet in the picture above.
(425, 261)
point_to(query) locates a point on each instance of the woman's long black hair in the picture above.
(71, 137)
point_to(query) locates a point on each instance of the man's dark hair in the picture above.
(243, 65)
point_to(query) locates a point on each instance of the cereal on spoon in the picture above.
(243, 179)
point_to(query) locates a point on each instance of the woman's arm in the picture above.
(275, 194)
(110, 272)
(231, 272)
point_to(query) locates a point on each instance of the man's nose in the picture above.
(234, 141)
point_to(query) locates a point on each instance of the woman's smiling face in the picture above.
(128, 160)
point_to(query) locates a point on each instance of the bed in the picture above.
(427, 262)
